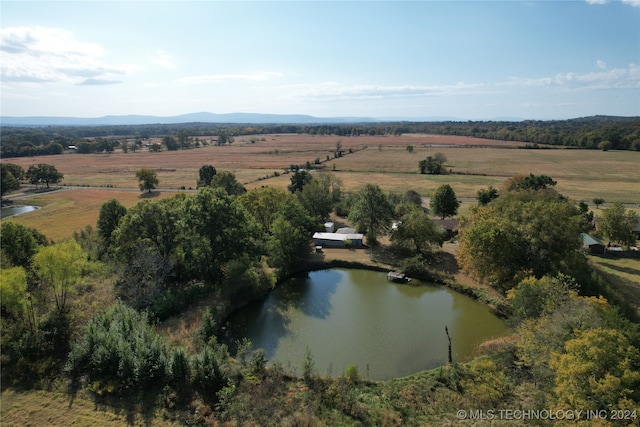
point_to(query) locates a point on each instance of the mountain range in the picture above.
(183, 118)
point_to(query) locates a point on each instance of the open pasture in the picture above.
(384, 160)
(249, 161)
(581, 174)
(63, 212)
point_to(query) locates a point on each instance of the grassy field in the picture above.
(476, 163)
(39, 408)
(384, 160)
(65, 211)
(623, 273)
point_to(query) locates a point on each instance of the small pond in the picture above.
(356, 317)
(7, 211)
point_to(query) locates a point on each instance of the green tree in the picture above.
(59, 267)
(600, 369)
(43, 172)
(605, 145)
(148, 179)
(224, 138)
(227, 181)
(299, 179)
(111, 212)
(10, 176)
(171, 143)
(418, 232)
(518, 235)
(13, 292)
(264, 204)
(320, 196)
(533, 298)
(598, 201)
(433, 164)
(538, 339)
(531, 182)
(287, 245)
(422, 165)
(444, 202)
(217, 229)
(617, 224)
(153, 225)
(485, 196)
(19, 243)
(371, 212)
(206, 174)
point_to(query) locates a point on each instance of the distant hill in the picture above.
(183, 118)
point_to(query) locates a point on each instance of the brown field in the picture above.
(383, 160)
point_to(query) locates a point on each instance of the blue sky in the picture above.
(414, 59)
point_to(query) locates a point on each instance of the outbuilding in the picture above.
(450, 227)
(592, 244)
(338, 240)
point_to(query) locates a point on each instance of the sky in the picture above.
(468, 60)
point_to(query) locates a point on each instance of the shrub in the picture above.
(120, 351)
(351, 373)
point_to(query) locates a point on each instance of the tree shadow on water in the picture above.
(313, 294)
(268, 321)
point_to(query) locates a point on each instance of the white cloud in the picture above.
(601, 64)
(164, 59)
(37, 55)
(98, 82)
(216, 78)
(335, 91)
(616, 78)
(635, 3)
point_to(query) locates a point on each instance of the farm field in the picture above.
(383, 160)
(475, 163)
(624, 273)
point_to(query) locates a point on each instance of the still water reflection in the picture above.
(356, 317)
(6, 212)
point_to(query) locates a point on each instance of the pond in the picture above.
(356, 317)
(6, 212)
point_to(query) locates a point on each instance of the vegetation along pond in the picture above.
(356, 317)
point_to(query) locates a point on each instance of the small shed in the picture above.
(592, 244)
(329, 227)
(450, 227)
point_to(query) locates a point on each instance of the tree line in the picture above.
(598, 132)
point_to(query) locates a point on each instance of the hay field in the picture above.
(476, 163)
(384, 160)
(65, 211)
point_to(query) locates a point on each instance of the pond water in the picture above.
(356, 317)
(6, 212)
